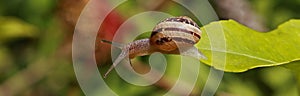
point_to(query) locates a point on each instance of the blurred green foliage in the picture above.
(31, 36)
(13, 28)
(275, 12)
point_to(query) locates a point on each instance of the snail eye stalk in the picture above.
(119, 45)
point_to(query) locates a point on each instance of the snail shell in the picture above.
(175, 31)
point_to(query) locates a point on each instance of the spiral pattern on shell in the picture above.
(173, 32)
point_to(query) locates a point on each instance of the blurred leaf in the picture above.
(48, 45)
(6, 66)
(39, 12)
(282, 83)
(12, 28)
(276, 12)
(235, 86)
(294, 66)
(143, 36)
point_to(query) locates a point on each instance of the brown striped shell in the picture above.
(173, 32)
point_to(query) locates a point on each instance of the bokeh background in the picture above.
(36, 41)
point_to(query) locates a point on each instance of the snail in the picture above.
(174, 35)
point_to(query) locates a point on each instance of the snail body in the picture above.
(166, 37)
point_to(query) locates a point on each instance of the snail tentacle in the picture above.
(119, 45)
(123, 55)
(130, 50)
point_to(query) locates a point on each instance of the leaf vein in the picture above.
(246, 55)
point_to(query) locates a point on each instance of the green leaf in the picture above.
(247, 49)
